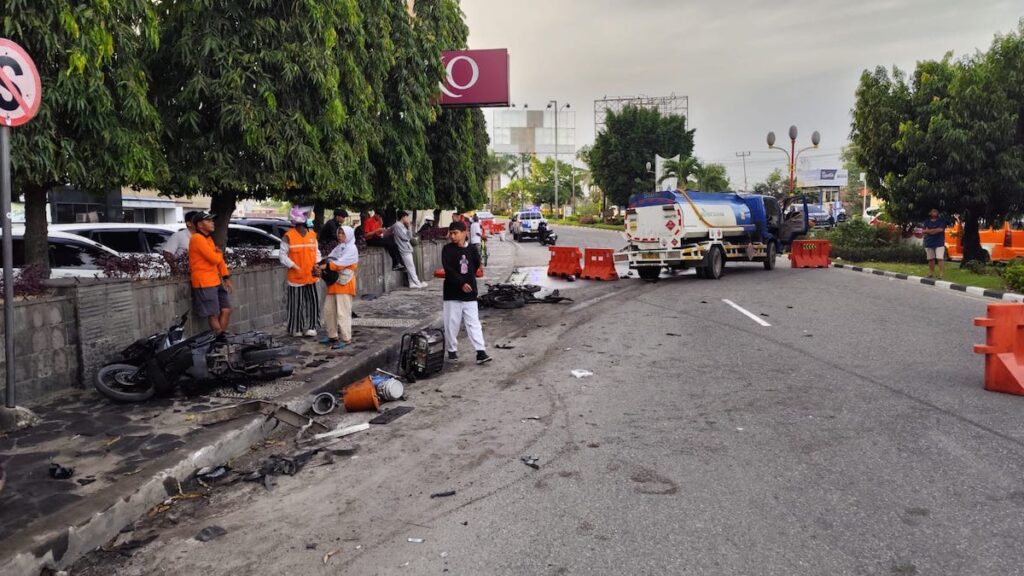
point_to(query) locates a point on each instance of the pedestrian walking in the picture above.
(339, 273)
(935, 242)
(377, 235)
(460, 263)
(300, 253)
(401, 231)
(211, 281)
(476, 235)
(177, 244)
(330, 230)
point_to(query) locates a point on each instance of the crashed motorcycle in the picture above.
(166, 361)
(509, 296)
(545, 236)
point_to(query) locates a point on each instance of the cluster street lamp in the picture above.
(553, 104)
(793, 154)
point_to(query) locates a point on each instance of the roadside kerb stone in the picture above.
(976, 290)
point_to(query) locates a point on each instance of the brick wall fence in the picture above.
(62, 339)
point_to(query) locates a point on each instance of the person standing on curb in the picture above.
(460, 263)
(935, 242)
(339, 272)
(211, 282)
(300, 253)
(402, 234)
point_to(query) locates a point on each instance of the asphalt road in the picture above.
(850, 436)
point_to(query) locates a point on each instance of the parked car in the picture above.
(276, 227)
(148, 238)
(524, 224)
(71, 256)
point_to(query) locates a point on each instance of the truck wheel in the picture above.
(700, 272)
(649, 273)
(716, 263)
(769, 260)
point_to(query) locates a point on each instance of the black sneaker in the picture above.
(453, 356)
(398, 268)
(482, 357)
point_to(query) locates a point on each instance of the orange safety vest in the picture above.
(205, 261)
(349, 288)
(302, 251)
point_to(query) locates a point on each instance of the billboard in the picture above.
(533, 132)
(475, 78)
(822, 178)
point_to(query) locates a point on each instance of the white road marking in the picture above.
(747, 313)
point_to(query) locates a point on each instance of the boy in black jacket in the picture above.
(460, 263)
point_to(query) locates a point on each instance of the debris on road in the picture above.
(270, 409)
(324, 403)
(579, 373)
(530, 418)
(508, 346)
(361, 396)
(673, 334)
(443, 494)
(417, 540)
(211, 474)
(341, 432)
(531, 461)
(329, 554)
(86, 481)
(58, 472)
(391, 415)
(388, 388)
(210, 533)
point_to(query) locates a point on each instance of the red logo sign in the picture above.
(670, 225)
(20, 89)
(475, 78)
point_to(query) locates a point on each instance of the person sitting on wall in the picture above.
(377, 235)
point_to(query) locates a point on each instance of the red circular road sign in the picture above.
(20, 88)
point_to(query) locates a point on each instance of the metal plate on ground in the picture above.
(385, 322)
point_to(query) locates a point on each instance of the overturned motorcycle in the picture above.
(508, 296)
(166, 361)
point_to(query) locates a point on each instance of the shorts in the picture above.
(936, 253)
(210, 301)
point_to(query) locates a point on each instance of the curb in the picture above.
(78, 530)
(589, 228)
(976, 290)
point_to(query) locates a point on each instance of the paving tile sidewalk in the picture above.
(128, 457)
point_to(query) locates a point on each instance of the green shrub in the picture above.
(903, 253)
(855, 233)
(1013, 275)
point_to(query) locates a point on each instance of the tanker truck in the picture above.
(687, 229)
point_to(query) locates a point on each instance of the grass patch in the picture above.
(990, 280)
(598, 225)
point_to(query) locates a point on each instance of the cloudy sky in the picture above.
(747, 66)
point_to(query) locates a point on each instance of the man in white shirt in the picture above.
(476, 234)
(177, 244)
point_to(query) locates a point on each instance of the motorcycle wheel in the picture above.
(509, 301)
(116, 381)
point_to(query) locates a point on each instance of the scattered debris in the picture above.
(271, 410)
(329, 554)
(341, 432)
(390, 389)
(579, 373)
(417, 540)
(210, 533)
(531, 461)
(111, 442)
(58, 472)
(128, 547)
(86, 481)
(211, 474)
(673, 334)
(456, 396)
(444, 554)
(765, 315)
(808, 335)
(508, 346)
(311, 545)
(391, 415)
(789, 307)
(703, 301)
(443, 494)
(530, 418)
(324, 403)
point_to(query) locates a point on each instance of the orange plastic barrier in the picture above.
(565, 261)
(599, 265)
(810, 254)
(1003, 348)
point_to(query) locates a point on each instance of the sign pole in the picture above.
(8, 255)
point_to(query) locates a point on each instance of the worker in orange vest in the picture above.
(300, 253)
(211, 282)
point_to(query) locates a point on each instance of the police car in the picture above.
(525, 223)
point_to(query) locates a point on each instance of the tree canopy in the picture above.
(775, 184)
(631, 139)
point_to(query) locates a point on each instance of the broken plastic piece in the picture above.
(417, 540)
(58, 472)
(578, 373)
(210, 533)
(531, 461)
(390, 415)
(342, 431)
(329, 554)
(443, 494)
(324, 403)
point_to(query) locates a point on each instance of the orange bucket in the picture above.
(361, 396)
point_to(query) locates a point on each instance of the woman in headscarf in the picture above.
(300, 253)
(339, 272)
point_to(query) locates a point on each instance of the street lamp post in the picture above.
(793, 154)
(554, 104)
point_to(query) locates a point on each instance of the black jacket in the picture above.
(460, 266)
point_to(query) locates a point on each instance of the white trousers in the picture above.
(338, 316)
(455, 314)
(410, 269)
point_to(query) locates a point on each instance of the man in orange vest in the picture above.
(211, 282)
(300, 253)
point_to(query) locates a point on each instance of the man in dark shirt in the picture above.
(935, 242)
(460, 263)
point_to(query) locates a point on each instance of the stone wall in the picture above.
(63, 339)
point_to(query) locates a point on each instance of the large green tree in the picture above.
(249, 91)
(96, 128)
(710, 177)
(542, 182)
(950, 137)
(631, 139)
(775, 184)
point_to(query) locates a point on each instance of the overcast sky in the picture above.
(747, 66)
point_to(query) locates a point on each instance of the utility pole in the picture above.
(744, 156)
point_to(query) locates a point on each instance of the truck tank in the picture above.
(691, 215)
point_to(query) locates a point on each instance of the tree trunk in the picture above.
(320, 214)
(222, 204)
(37, 248)
(971, 242)
(437, 217)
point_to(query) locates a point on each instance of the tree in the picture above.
(775, 185)
(710, 177)
(951, 138)
(681, 170)
(631, 139)
(250, 96)
(542, 182)
(96, 128)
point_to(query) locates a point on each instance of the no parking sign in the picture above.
(20, 88)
